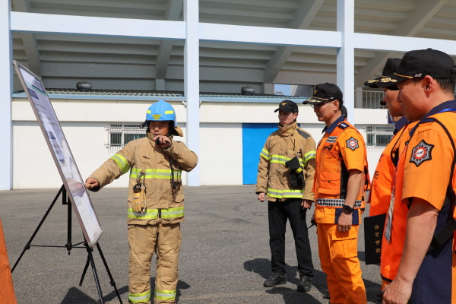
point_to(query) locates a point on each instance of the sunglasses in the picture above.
(319, 105)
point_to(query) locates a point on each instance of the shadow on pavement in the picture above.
(262, 267)
(75, 296)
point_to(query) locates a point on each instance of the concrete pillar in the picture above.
(359, 97)
(268, 88)
(346, 54)
(6, 79)
(191, 82)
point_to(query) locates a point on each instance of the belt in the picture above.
(330, 202)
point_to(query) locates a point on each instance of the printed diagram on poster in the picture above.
(61, 154)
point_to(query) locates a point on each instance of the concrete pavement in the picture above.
(224, 255)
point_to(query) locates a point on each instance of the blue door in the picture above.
(254, 136)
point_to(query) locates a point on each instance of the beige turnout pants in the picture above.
(165, 240)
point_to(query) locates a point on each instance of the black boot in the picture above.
(305, 284)
(277, 278)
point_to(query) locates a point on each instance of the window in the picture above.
(120, 134)
(379, 136)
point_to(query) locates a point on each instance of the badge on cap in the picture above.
(352, 144)
(156, 116)
(284, 103)
(421, 153)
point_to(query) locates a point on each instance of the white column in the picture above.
(6, 79)
(359, 97)
(346, 54)
(191, 82)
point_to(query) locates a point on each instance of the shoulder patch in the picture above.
(343, 126)
(303, 134)
(421, 153)
(331, 139)
(352, 143)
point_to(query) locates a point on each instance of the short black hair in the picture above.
(447, 84)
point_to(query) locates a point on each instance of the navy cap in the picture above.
(325, 92)
(287, 106)
(420, 63)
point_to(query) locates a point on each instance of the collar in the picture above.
(451, 104)
(447, 106)
(287, 130)
(331, 128)
(400, 124)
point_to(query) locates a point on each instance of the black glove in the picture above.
(296, 175)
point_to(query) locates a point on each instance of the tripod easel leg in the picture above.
(113, 283)
(85, 271)
(27, 246)
(94, 270)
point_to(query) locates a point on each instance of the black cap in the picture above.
(420, 63)
(325, 92)
(287, 106)
(391, 66)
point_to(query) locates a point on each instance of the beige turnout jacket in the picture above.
(142, 155)
(274, 176)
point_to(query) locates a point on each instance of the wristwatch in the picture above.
(347, 209)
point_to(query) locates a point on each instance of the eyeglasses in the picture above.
(319, 105)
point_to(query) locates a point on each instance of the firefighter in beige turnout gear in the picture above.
(285, 179)
(155, 163)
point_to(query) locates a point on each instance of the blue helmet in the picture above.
(161, 111)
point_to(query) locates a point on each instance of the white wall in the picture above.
(84, 124)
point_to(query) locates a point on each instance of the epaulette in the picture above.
(343, 126)
(303, 134)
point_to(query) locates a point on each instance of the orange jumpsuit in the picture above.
(425, 171)
(382, 181)
(340, 150)
(381, 198)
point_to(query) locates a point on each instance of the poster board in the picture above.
(61, 153)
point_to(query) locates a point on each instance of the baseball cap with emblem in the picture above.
(391, 66)
(325, 92)
(420, 63)
(287, 106)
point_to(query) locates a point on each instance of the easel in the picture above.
(69, 246)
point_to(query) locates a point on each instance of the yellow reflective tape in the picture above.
(139, 297)
(299, 170)
(286, 193)
(165, 295)
(172, 212)
(148, 111)
(151, 214)
(156, 173)
(169, 112)
(121, 162)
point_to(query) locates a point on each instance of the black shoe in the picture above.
(277, 278)
(305, 284)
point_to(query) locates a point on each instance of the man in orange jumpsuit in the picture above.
(424, 182)
(382, 183)
(340, 181)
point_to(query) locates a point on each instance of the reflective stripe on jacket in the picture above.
(142, 155)
(274, 176)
